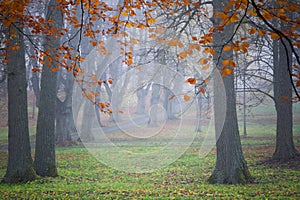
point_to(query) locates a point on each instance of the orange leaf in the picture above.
(182, 55)
(186, 97)
(298, 83)
(226, 62)
(252, 31)
(171, 97)
(205, 67)
(191, 81)
(186, 2)
(232, 64)
(202, 90)
(274, 36)
(226, 71)
(134, 41)
(261, 32)
(209, 50)
(36, 69)
(54, 69)
(227, 48)
(283, 98)
(110, 81)
(203, 61)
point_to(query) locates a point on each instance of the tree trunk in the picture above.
(20, 164)
(86, 126)
(231, 167)
(285, 148)
(45, 163)
(64, 114)
(153, 118)
(141, 103)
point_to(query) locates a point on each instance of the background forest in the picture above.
(149, 99)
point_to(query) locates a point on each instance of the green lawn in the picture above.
(81, 176)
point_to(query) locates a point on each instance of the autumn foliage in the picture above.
(252, 19)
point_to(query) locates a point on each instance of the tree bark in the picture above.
(20, 164)
(231, 167)
(65, 124)
(285, 148)
(45, 162)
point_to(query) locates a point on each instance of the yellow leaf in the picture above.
(186, 97)
(192, 81)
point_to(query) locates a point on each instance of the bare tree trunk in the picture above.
(64, 115)
(153, 118)
(231, 167)
(20, 164)
(86, 127)
(45, 162)
(141, 103)
(285, 148)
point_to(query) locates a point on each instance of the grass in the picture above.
(81, 176)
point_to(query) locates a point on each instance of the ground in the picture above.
(81, 176)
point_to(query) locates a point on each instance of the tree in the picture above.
(285, 148)
(20, 164)
(45, 162)
(230, 165)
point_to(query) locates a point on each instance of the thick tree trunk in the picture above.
(231, 167)
(20, 164)
(285, 148)
(45, 162)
